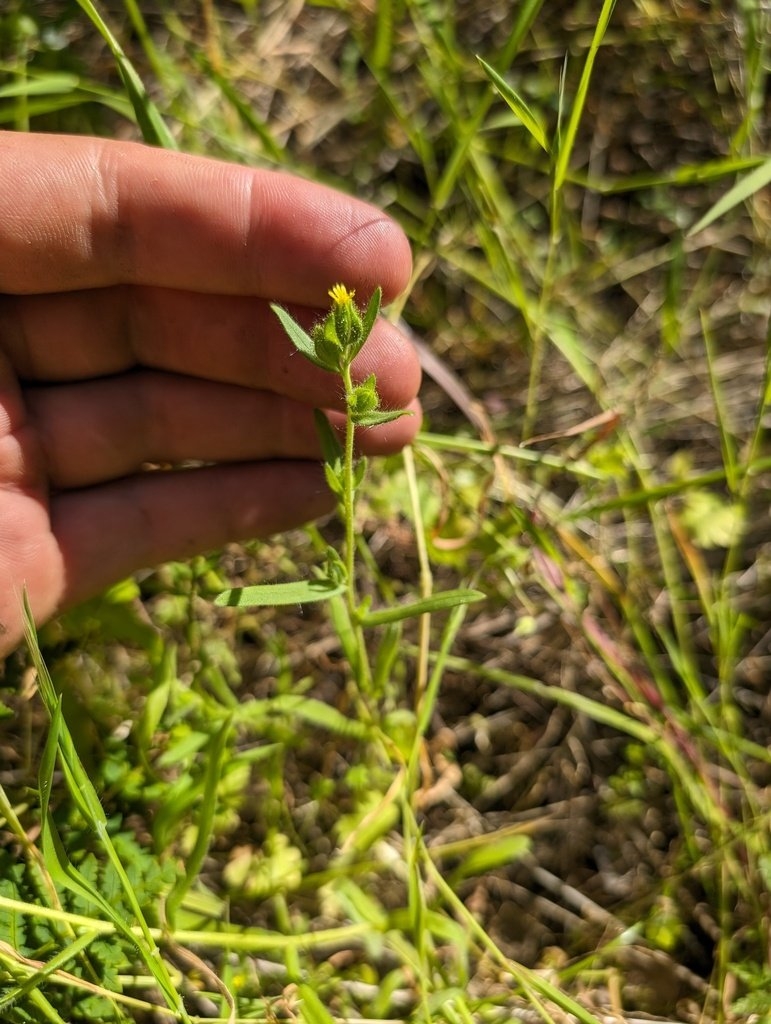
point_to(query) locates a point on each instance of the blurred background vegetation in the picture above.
(595, 772)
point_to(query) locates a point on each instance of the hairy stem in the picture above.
(349, 518)
(348, 495)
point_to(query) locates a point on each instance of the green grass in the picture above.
(552, 805)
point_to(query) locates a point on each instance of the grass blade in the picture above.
(215, 762)
(153, 127)
(81, 788)
(741, 191)
(434, 603)
(568, 139)
(517, 104)
(314, 712)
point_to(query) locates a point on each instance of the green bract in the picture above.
(364, 398)
(335, 341)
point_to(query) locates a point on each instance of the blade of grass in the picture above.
(755, 34)
(535, 985)
(567, 139)
(55, 102)
(518, 105)
(526, 15)
(153, 127)
(423, 606)
(743, 190)
(60, 745)
(248, 118)
(427, 701)
(215, 757)
(386, 13)
(38, 976)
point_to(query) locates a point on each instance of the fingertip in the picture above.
(324, 237)
(396, 246)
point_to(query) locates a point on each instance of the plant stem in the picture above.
(348, 489)
(363, 668)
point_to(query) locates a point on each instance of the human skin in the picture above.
(135, 329)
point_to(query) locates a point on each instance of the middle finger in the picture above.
(232, 339)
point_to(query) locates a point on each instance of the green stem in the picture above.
(349, 517)
(348, 500)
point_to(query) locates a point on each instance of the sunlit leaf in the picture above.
(495, 854)
(567, 138)
(154, 128)
(268, 595)
(56, 82)
(434, 603)
(312, 1010)
(374, 419)
(369, 318)
(301, 341)
(742, 190)
(521, 109)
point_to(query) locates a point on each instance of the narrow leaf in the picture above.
(359, 472)
(215, 765)
(521, 109)
(387, 653)
(499, 852)
(48, 761)
(154, 128)
(312, 1010)
(301, 341)
(369, 318)
(374, 419)
(319, 714)
(334, 482)
(743, 189)
(434, 603)
(268, 595)
(567, 141)
(52, 84)
(331, 448)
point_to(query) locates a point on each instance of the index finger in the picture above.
(80, 213)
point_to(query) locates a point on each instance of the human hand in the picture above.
(135, 328)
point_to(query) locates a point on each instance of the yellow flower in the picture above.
(340, 295)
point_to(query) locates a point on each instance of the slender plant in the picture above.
(333, 344)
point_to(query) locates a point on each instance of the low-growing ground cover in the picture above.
(550, 805)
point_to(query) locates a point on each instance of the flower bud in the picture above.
(329, 349)
(346, 316)
(364, 398)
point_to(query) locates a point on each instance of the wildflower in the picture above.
(339, 336)
(340, 295)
